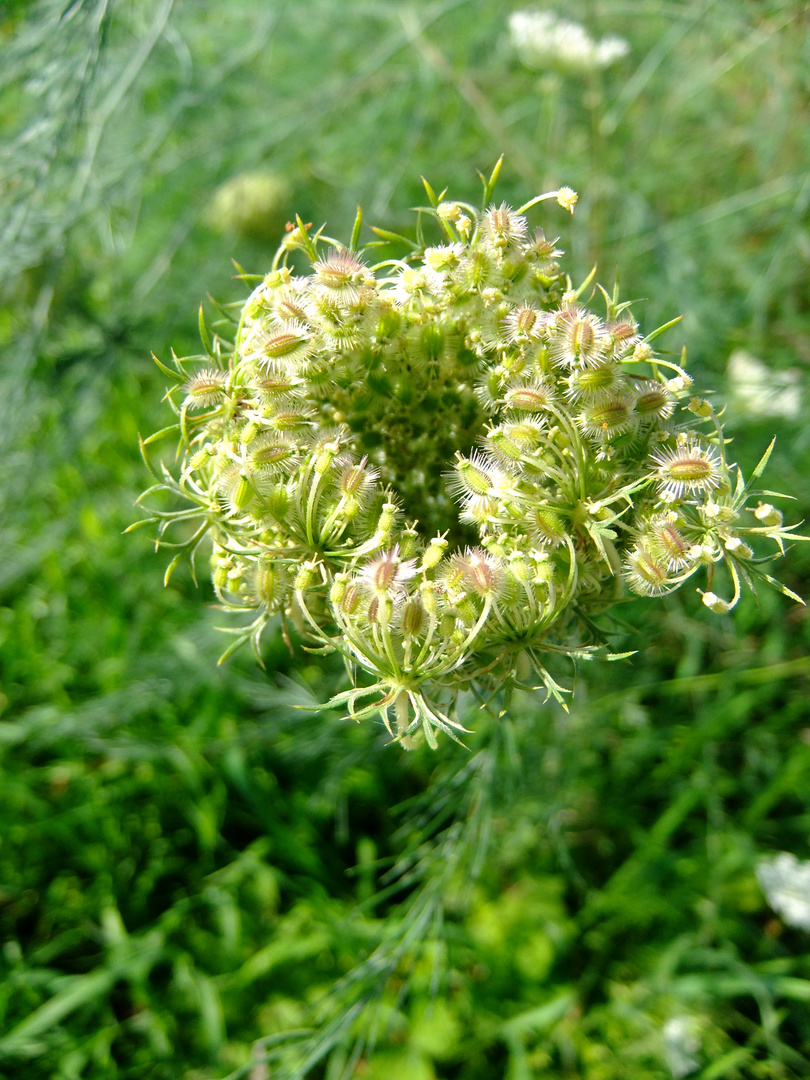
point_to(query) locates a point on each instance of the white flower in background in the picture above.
(681, 1044)
(786, 884)
(542, 39)
(757, 391)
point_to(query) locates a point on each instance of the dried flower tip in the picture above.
(567, 199)
(688, 467)
(768, 515)
(206, 388)
(714, 603)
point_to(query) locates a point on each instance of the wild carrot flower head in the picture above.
(447, 466)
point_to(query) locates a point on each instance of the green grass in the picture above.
(189, 863)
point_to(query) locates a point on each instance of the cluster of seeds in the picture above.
(446, 467)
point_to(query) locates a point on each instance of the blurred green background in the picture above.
(200, 879)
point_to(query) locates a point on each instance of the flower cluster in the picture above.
(543, 40)
(446, 467)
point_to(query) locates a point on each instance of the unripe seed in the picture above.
(431, 341)
(408, 543)
(351, 600)
(387, 517)
(337, 590)
(242, 494)
(413, 618)
(304, 577)
(427, 591)
(548, 525)
(532, 399)
(504, 445)
(653, 399)
(266, 582)
(278, 502)
(472, 478)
